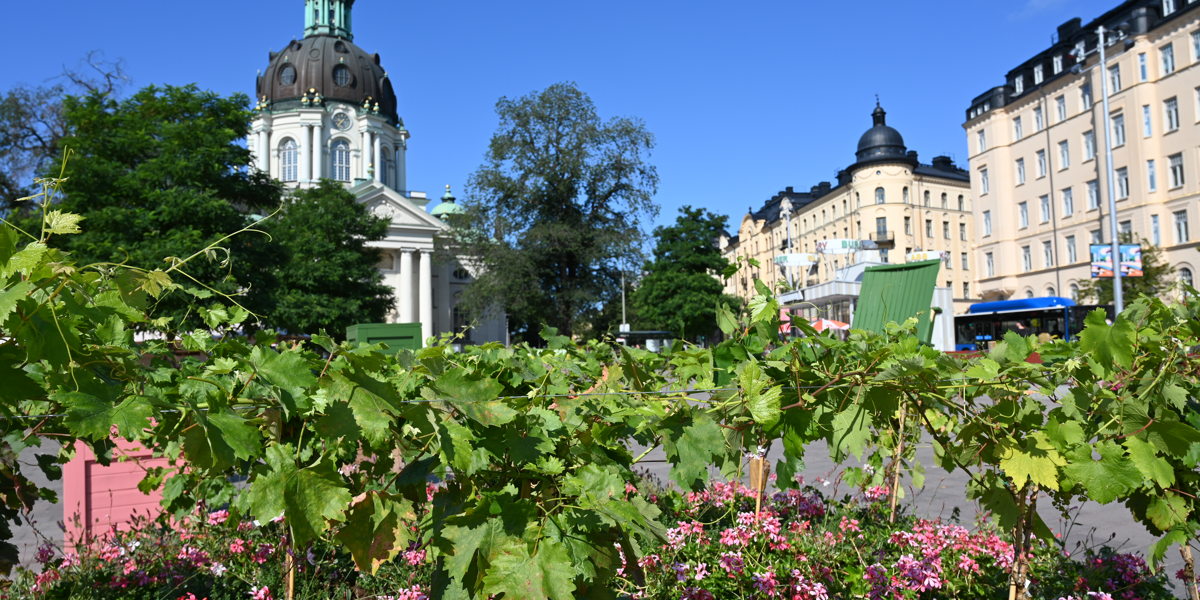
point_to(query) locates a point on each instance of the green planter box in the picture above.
(395, 335)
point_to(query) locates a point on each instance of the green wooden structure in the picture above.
(893, 293)
(395, 335)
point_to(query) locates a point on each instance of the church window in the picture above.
(462, 274)
(288, 75)
(339, 47)
(289, 160)
(880, 197)
(341, 160)
(341, 75)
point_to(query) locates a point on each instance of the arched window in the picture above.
(1185, 275)
(926, 197)
(341, 160)
(383, 172)
(289, 160)
(1074, 292)
(341, 76)
(960, 202)
(857, 200)
(1028, 293)
(945, 201)
(905, 194)
(1051, 292)
(880, 196)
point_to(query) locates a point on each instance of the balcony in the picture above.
(883, 239)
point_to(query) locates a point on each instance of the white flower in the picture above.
(218, 569)
(134, 545)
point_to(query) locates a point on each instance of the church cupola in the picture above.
(328, 17)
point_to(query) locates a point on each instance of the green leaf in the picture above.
(287, 370)
(725, 320)
(92, 417)
(1108, 478)
(764, 405)
(984, 368)
(310, 497)
(1167, 511)
(851, 433)
(370, 400)
(519, 576)
(475, 397)
(17, 384)
(1035, 461)
(243, 439)
(762, 307)
(690, 443)
(10, 296)
(1109, 345)
(62, 223)
(25, 261)
(376, 529)
(1146, 459)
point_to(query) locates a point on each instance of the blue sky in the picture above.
(744, 98)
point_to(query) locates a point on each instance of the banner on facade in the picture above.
(929, 255)
(838, 246)
(796, 260)
(1131, 260)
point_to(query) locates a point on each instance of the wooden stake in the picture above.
(896, 466)
(1189, 571)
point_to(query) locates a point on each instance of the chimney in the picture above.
(788, 189)
(815, 191)
(943, 163)
(912, 155)
(825, 187)
(1067, 29)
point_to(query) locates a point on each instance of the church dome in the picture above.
(881, 142)
(447, 206)
(327, 62)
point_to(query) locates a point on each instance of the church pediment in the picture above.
(385, 202)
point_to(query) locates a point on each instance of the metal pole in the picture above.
(787, 216)
(623, 321)
(1118, 295)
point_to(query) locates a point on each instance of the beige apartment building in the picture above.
(1037, 151)
(887, 196)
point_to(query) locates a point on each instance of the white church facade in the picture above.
(327, 110)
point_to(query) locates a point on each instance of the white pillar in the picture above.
(305, 155)
(404, 289)
(378, 158)
(425, 295)
(365, 163)
(318, 158)
(445, 322)
(401, 167)
(265, 157)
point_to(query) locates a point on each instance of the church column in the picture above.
(318, 159)
(364, 164)
(445, 322)
(425, 295)
(378, 155)
(305, 154)
(265, 157)
(404, 290)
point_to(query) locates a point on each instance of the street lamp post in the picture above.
(1118, 292)
(785, 210)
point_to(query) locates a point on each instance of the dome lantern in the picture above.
(447, 207)
(881, 143)
(328, 17)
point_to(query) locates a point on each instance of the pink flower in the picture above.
(42, 582)
(130, 566)
(70, 559)
(45, 553)
(412, 594)
(702, 572)
(218, 517)
(732, 563)
(237, 546)
(262, 593)
(696, 594)
(414, 557)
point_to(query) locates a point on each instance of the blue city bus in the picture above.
(987, 322)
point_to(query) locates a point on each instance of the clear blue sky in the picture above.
(744, 98)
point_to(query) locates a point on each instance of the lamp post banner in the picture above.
(796, 260)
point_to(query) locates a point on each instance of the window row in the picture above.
(289, 160)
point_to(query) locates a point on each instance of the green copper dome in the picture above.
(447, 207)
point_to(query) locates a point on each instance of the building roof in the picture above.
(881, 143)
(893, 293)
(447, 206)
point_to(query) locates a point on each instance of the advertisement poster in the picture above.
(1131, 260)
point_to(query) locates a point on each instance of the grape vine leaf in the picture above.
(376, 529)
(1167, 511)
(1108, 344)
(371, 402)
(92, 417)
(690, 441)
(17, 384)
(1036, 460)
(1106, 479)
(475, 397)
(10, 296)
(24, 261)
(1152, 467)
(287, 370)
(763, 404)
(542, 576)
(308, 496)
(850, 433)
(62, 223)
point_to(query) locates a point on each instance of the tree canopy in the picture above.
(681, 291)
(1158, 277)
(554, 211)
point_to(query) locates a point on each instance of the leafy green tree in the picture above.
(553, 211)
(1158, 277)
(161, 174)
(330, 279)
(681, 291)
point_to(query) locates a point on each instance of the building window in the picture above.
(1039, 122)
(983, 185)
(857, 200)
(1142, 74)
(1089, 145)
(1096, 239)
(907, 225)
(990, 264)
(1064, 155)
(966, 290)
(962, 231)
(1019, 85)
(1051, 292)
(1150, 176)
(1093, 188)
(945, 230)
(1122, 183)
(929, 228)
(1017, 133)
(341, 76)
(926, 198)
(1041, 163)
(945, 201)
(1168, 7)
(961, 204)
(1044, 203)
(1020, 171)
(883, 255)
(1070, 244)
(1196, 44)
(341, 160)
(1047, 255)
(879, 195)
(1176, 163)
(981, 136)
(1181, 227)
(1085, 96)
(1171, 110)
(987, 222)
(1026, 259)
(1023, 215)
(881, 226)
(1061, 104)
(963, 256)
(289, 160)
(1168, 59)
(287, 76)
(1074, 292)
(1147, 130)
(1114, 79)
(1038, 74)
(1155, 234)
(1068, 198)
(904, 194)
(1118, 130)
(1058, 64)
(1185, 275)
(461, 325)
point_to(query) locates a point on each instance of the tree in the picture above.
(162, 174)
(553, 211)
(1158, 277)
(681, 291)
(330, 279)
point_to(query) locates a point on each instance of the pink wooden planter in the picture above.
(105, 496)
